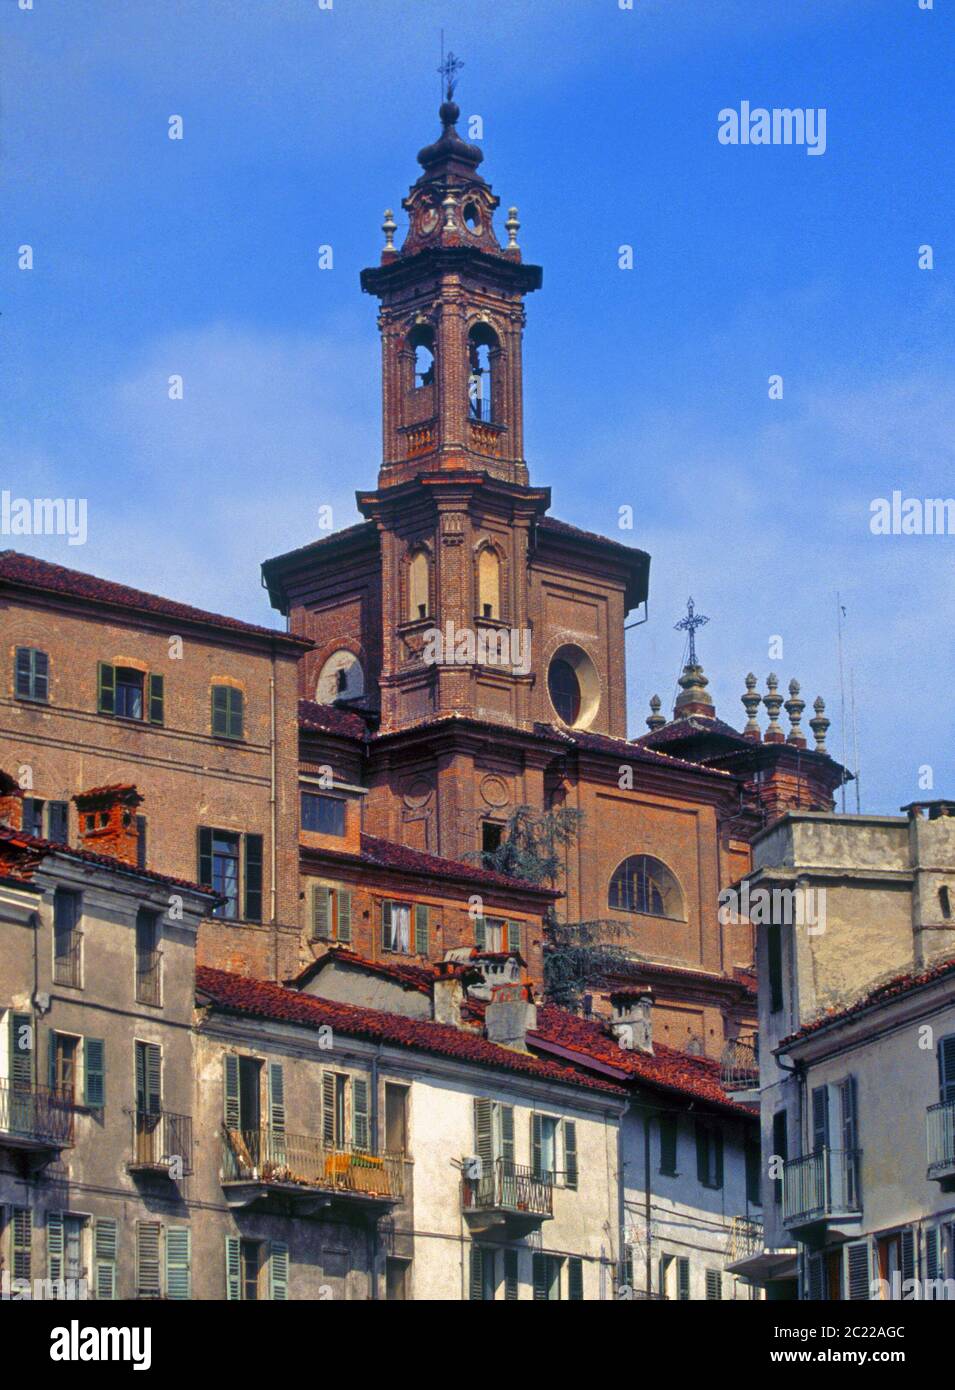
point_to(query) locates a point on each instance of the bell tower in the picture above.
(451, 320)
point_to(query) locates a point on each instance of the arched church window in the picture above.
(421, 340)
(418, 596)
(489, 583)
(482, 345)
(564, 689)
(645, 885)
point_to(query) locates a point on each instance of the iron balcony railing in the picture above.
(506, 1186)
(36, 1115)
(822, 1184)
(262, 1155)
(148, 978)
(739, 1064)
(161, 1141)
(479, 409)
(746, 1238)
(940, 1127)
(67, 958)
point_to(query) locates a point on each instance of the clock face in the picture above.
(341, 678)
(428, 219)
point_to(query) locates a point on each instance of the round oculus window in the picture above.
(574, 687)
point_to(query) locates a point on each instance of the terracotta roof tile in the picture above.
(388, 855)
(330, 719)
(413, 977)
(32, 844)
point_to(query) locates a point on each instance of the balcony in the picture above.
(739, 1066)
(507, 1198)
(822, 1193)
(161, 1144)
(745, 1240)
(940, 1138)
(35, 1120)
(260, 1165)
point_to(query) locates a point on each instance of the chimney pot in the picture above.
(107, 818)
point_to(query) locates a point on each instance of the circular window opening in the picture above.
(574, 687)
(472, 218)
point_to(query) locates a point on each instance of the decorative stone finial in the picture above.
(694, 698)
(794, 708)
(751, 702)
(448, 204)
(389, 227)
(774, 703)
(512, 226)
(655, 720)
(820, 724)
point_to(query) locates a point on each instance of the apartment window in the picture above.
(483, 1278)
(714, 1285)
(668, 1144)
(337, 1090)
(512, 1285)
(256, 1269)
(46, 819)
(544, 1132)
(148, 1102)
(31, 674)
(148, 957)
(945, 902)
(105, 1249)
(148, 1259)
(323, 814)
(231, 864)
(396, 927)
(946, 1070)
(64, 1057)
(227, 702)
(396, 1118)
(780, 1149)
(495, 934)
(709, 1155)
(126, 693)
(77, 1069)
(546, 1277)
(493, 1132)
(64, 1249)
(32, 814)
(491, 836)
(67, 938)
(21, 1243)
(396, 1279)
(243, 1082)
(751, 1159)
(575, 1279)
(331, 913)
(675, 1277)
(774, 960)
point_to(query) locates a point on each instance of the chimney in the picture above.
(495, 970)
(631, 1019)
(447, 993)
(510, 1015)
(108, 825)
(11, 802)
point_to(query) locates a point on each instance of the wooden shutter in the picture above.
(104, 1259)
(907, 1244)
(477, 1273)
(856, 1269)
(717, 1140)
(540, 1280)
(233, 1269)
(321, 912)
(22, 1243)
(575, 1279)
(570, 1153)
(714, 1285)
(702, 1155)
(820, 1118)
(753, 1169)
(514, 936)
(328, 1109)
(231, 1111)
(537, 1163)
(220, 709)
(236, 710)
(205, 857)
(480, 933)
(359, 1112)
(54, 1245)
(148, 1078)
(148, 1239)
(774, 960)
(511, 1277)
(933, 1260)
(178, 1262)
(156, 699)
(277, 1102)
(780, 1147)
(278, 1272)
(94, 1072)
(21, 1050)
(682, 1278)
(386, 926)
(421, 929)
(816, 1278)
(946, 1069)
(483, 1132)
(506, 1113)
(106, 688)
(668, 1143)
(253, 878)
(343, 925)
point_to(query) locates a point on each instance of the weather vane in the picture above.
(689, 624)
(449, 69)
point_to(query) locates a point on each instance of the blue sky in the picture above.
(646, 388)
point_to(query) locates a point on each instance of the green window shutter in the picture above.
(512, 1284)
(253, 878)
(477, 1273)
(421, 929)
(857, 1269)
(682, 1277)
(148, 1078)
(321, 912)
(714, 1285)
(343, 928)
(507, 1133)
(94, 1069)
(106, 689)
(907, 1243)
(104, 1260)
(933, 1263)
(51, 1059)
(328, 1109)
(233, 1278)
(702, 1154)
(276, 1100)
(514, 936)
(278, 1272)
(148, 1240)
(946, 1069)
(231, 1112)
(178, 1262)
(570, 1154)
(575, 1279)
(22, 1243)
(220, 709)
(668, 1143)
(205, 857)
(483, 1132)
(21, 1050)
(360, 1128)
(157, 699)
(537, 1163)
(540, 1278)
(386, 926)
(54, 1245)
(480, 933)
(236, 703)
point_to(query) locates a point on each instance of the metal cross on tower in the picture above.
(689, 624)
(449, 69)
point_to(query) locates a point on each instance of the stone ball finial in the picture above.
(794, 708)
(655, 720)
(751, 702)
(819, 724)
(774, 703)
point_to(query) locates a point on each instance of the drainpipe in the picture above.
(647, 1116)
(621, 1193)
(373, 1137)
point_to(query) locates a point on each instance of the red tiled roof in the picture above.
(625, 750)
(697, 1078)
(881, 994)
(32, 845)
(692, 727)
(32, 573)
(741, 979)
(564, 528)
(261, 999)
(415, 977)
(367, 530)
(329, 719)
(388, 855)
